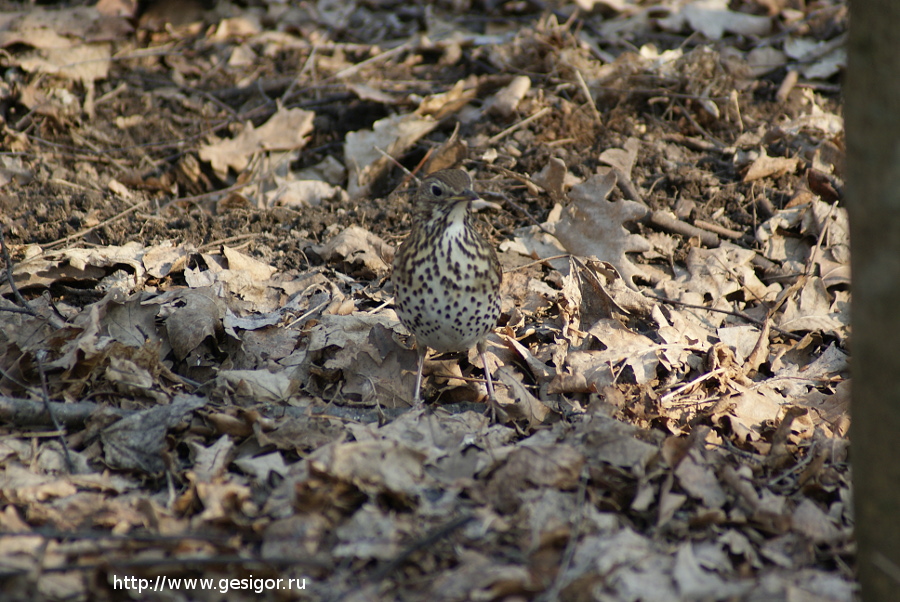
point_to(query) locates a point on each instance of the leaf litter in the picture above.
(200, 209)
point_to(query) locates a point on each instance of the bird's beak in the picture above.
(466, 195)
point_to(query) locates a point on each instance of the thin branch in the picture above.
(517, 126)
(45, 394)
(27, 412)
(81, 233)
(737, 314)
(543, 260)
(9, 276)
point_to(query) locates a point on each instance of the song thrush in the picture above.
(446, 274)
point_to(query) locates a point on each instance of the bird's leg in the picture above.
(492, 400)
(417, 397)
(482, 348)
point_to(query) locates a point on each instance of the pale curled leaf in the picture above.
(211, 461)
(553, 178)
(253, 268)
(365, 253)
(391, 135)
(622, 159)
(304, 193)
(747, 410)
(812, 311)
(84, 63)
(505, 101)
(765, 167)
(698, 478)
(254, 386)
(262, 467)
(160, 260)
(696, 569)
(374, 466)
(810, 520)
(45, 269)
(725, 270)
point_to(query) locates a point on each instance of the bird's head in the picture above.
(441, 191)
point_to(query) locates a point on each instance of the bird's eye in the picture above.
(436, 190)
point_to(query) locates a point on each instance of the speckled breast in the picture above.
(449, 298)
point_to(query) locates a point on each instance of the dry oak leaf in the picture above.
(765, 166)
(190, 315)
(725, 270)
(554, 178)
(623, 346)
(712, 18)
(696, 569)
(377, 369)
(810, 520)
(593, 226)
(286, 130)
(633, 566)
(812, 311)
(525, 405)
(698, 478)
(624, 158)
(137, 441)
(303, 193)
(374, 467)
(372, 533)
(342, 331)
(749, 408)
(365, 253)
(211, 462)
(253, 386)
(368, 153)
(392, 135)
(40, 269)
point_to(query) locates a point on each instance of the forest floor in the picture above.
(202, 374)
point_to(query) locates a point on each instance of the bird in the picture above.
(446, 275)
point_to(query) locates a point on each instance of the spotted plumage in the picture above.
(446, 274)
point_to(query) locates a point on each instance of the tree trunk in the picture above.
(872, 109)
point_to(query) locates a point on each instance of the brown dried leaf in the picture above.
(525, 405)
(747, 410)
(699, 479)
(810, 520)
(138, 441)
(191, 315)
